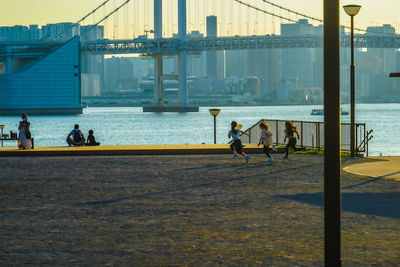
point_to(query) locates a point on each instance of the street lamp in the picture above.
(214, 112)
(352, 10)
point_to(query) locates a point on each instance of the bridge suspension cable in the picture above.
(106, 17)
(293, 11)
(82, 19)
(265, 11)
(297, 14)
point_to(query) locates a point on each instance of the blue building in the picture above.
(50, 84)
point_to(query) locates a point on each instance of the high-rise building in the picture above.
(236, 63)
(264, 64)
(19, 33)
(215, 59)
(61, 31)
(92, 66)
(196, 64)
(119, 74)
(298, 63)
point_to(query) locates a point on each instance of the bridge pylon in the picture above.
(159, 77)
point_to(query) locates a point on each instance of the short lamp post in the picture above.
(214, 112)
(352, 10)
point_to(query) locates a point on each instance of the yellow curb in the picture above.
(127, 150)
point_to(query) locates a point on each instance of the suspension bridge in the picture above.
(251, 24)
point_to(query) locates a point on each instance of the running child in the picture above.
(290, 131)
(237, 146)
(266, 139)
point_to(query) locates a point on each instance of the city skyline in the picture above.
(252, 22)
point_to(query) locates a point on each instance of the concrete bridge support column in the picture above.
(182, 81)
(158, 88)
(8, 61)
(182, 57)
(158, 58)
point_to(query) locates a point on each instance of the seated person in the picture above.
(76, 137)
(91, 141)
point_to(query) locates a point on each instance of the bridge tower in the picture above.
(159, 77)
(158, 58)
(182, 56)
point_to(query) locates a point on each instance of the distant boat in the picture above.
(317, 112)
(321, 112)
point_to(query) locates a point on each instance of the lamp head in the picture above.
(352, 10)
(214, 111)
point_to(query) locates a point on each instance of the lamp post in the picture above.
(214, 112)
(352, 10)
(332, 160)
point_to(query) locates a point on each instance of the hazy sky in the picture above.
(25, 12)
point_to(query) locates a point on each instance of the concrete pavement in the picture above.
(383, 167)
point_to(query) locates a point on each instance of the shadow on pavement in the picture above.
(377, 204)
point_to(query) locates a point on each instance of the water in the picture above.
(123, 126)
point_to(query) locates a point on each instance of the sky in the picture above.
(25, 12)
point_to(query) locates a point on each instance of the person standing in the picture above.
(290, 132)
(265, 139)
(24, 135)
(237, 146)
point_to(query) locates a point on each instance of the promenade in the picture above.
(127, 150)
(195, 210)
(379, 167)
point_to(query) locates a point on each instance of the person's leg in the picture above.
(239, 150)
(287, 149)
(246, 157)
(232, 146)
(265, 149)
(293, 145)
(69, 141)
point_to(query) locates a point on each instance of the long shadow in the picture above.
(369, 181)
(183, 188)
(377, 204)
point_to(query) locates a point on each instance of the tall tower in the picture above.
(211, 24)
(159, 77)
(182, 56)
(158, 58)
(215, 59)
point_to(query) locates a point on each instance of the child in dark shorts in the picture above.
(237, 146)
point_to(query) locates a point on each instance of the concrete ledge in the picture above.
(128, 150)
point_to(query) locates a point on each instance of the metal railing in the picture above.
(311, 134)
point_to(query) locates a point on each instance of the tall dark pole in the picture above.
(352, 95)
(332, 161)
(215, 129)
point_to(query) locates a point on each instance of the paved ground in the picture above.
(385, 167)
(187, 210)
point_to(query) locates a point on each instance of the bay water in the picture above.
(130, 126)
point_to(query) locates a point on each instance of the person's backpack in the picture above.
(77, 137)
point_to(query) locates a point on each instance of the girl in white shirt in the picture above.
(266, 139)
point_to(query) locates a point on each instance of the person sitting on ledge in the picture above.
(91, 141)
(76, 137)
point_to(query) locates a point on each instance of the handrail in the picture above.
(312, 134)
